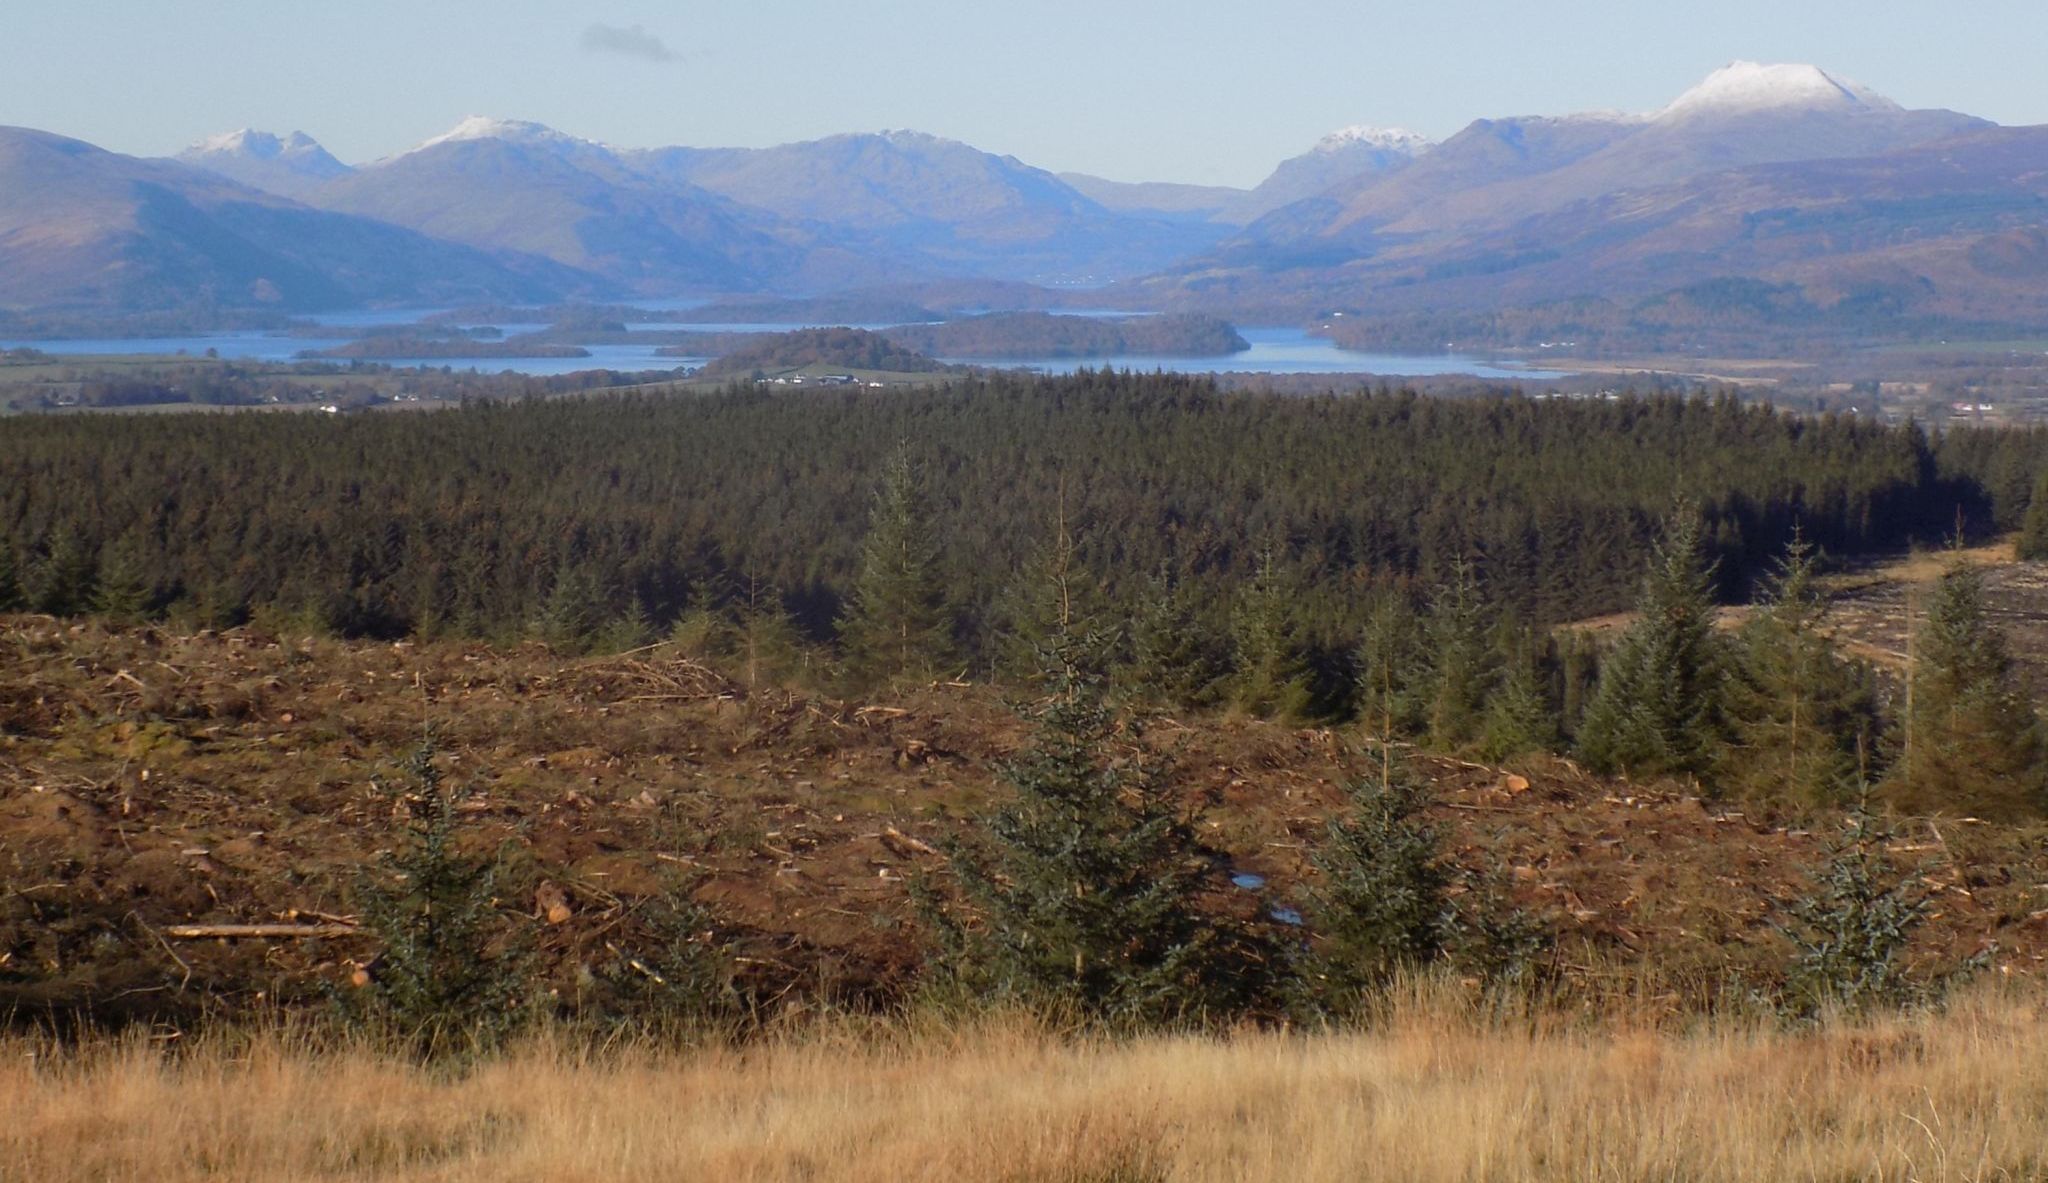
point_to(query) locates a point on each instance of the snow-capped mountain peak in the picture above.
(292, 165)
(1387, 139)
(260, 144)
(1748, 87)
(517, 131)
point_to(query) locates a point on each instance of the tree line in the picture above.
(1266, 551)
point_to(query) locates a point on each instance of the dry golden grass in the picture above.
(1432, 1094)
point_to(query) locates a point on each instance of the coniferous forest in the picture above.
(1379, 556)
(479, 522)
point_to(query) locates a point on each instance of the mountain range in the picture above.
(1781, 175)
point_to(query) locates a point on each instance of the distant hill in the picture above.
(1041, 334)
(1353, 154)
(518, 186)
(853, 349)
(83, 227)
(1207, 203)
(952, 208)
(1778, 174)
(291, 166)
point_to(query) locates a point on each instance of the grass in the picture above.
(1437, 1091)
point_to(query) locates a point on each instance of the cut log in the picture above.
(200, 932)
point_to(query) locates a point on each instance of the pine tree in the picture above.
(123, 590)
(1086, 891)
(449, 978)
(1658, 706)
(1383, 901)
(1174, 660)
(895, 624)
(62, 584)
(1390, 666)
(1270, 679)
(574, 611)
(1054, 591)
(1519, 718)
(10, 578)
(1458, 663)
(766, 641)
(2033, 544)
(1801, 719)
(1849, 936)
(704, 628)
(1972, 741)
(625, 631)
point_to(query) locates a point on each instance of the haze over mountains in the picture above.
(1784, 175)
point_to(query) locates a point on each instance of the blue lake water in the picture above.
(1273, 351)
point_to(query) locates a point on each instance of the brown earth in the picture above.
(150, 780)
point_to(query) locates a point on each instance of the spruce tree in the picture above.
(62, 584)
(124, 590)
(1458, 663)
(1658, 706)
(574, 611)
(895, 624)
(1174, 660)
(766, 642)
(1849, 936)
(1085, 893)
(1519, 718)
(1972, 742)
(2033, 543)
(1391, 665)
(1270, 679)
(10, 578)
(625, 631)
(450, 976)
(1801, 719)
(1383, 901)
(704, 629)
(1054, 590)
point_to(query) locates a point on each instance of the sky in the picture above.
(1199, 91)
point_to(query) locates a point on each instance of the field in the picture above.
(1435, 1092)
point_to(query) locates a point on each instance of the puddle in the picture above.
(1249, 881)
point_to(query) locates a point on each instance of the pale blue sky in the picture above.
(1194, 90)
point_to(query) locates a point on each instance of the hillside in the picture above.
(290, 166)
(947, 205)
(852, 349)
(1041, 334)
(521, 187)
(1525, 213)
(80, 226)
(155, 779)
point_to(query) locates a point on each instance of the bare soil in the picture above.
(151, 780)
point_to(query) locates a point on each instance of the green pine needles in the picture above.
(1971, 741)
(1803, 722)
(1083, 901)
(1849, 936)
(896, 625)
(1658, 706)
(452, 975)
(1383, 906)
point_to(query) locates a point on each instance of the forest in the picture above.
(641, 507)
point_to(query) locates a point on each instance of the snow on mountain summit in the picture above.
(1745, 87)
(1388, 139)
(517, 131)
(262, 145)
